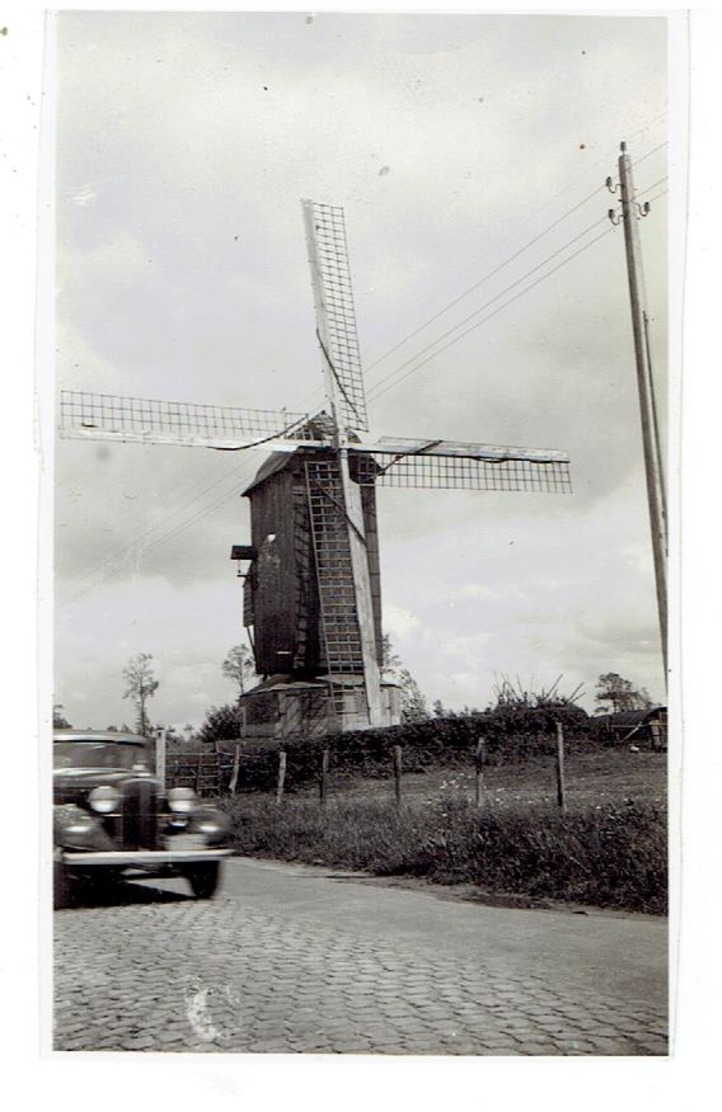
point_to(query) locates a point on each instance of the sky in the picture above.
(470, 154)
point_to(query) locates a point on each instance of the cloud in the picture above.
(473, 590)
(399, 622)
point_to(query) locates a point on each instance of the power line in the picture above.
(375, 390)
(653, 151)
(641, 192)
(530, 243)
(81, 584)
(511, 300)
(173, 532)
(114, 557)
(83, 580)
(481, 281)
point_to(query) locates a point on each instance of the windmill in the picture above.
(312, 597)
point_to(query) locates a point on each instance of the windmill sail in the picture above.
(335, 313)
(451, 465)
(349, 619)
(144, 420)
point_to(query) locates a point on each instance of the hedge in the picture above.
(510, 734)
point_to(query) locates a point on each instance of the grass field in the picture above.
(607, 848)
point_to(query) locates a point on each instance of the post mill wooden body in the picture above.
(312, 595)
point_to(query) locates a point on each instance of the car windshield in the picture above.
(98, 754)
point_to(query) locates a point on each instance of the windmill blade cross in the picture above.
(151, 421)
(453, 465)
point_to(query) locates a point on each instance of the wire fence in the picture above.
(278, 769)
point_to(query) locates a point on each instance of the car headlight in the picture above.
(209, 826)
(212, 824)
(104, 799)
(182, 800)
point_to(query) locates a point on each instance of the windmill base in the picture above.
(282, 706)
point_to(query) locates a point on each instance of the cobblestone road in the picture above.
(161, 972)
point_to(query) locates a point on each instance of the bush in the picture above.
(612, 856)
(511, 734)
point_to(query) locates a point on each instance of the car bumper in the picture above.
(143, 858)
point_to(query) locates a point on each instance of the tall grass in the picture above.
(608, 856)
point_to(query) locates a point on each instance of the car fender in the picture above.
(74, 828)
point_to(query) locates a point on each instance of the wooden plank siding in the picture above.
(281, 599)
(275, 598)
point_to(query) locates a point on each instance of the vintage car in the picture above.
(114, 819)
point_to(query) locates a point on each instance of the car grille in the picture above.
(139, 819)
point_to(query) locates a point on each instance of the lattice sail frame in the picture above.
(335, 311)
(112, 417)
(457, 466)
(342, 643)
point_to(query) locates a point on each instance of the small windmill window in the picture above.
(243, 553)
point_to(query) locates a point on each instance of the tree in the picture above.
(221, 724)
(413, 703)
(60, 722)
(614, 694)
(390, 662)
(239, 667)
(141, 686)
(514, 695)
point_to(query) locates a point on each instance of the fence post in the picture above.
(236, 768)
(281, 774)
(398, 764)
(561, 796)
(479, 765)
(160, 755)
(323, 783)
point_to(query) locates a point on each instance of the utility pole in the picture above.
(632, 211)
